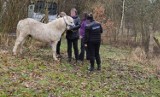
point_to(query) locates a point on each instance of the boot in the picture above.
(91, 68)
(69, 59)
(99, 67)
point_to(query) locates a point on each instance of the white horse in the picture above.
(50, 32)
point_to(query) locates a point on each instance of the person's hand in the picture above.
(80, 37)
(85, 45)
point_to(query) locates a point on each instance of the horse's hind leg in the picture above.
(21, 46)
(19, 40)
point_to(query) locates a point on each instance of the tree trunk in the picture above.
(122, 19)
(142, 34)
(135, 33)
(127, 38)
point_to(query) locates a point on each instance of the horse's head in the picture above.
(69, 22)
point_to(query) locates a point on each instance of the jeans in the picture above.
(73, 42)
(83, 49)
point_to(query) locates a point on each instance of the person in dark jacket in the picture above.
(59, 42)
(82, 33)
(93, 32)
(72, 36)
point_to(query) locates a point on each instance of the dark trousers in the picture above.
(83, 49)
(73, 42)
(58, 47)
(94, 53)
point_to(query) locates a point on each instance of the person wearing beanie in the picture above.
(92, 40)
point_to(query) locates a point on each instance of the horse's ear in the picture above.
(59, 16)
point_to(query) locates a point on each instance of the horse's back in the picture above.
(28, 21)
(28, 24)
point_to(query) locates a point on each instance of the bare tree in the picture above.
(122, 18)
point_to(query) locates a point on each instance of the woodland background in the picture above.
(130, 53)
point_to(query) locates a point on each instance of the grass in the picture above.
(36, 74)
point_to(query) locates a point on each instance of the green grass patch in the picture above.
(36, 74)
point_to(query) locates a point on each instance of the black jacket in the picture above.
(93, 32)
(73, 32)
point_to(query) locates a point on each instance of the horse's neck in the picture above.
(59, 24)
(62, 25)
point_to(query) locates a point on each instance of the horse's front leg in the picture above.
(54, 44)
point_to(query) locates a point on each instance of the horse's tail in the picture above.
(17, 32)
(18, 28)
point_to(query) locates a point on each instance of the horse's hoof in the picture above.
(57, 61)
(58, 56)
(14, 54)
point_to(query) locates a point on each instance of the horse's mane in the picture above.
(56, 20)
(58, 23)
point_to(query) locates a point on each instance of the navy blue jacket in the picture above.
(93, 32)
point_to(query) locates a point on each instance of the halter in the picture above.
(66, 23)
